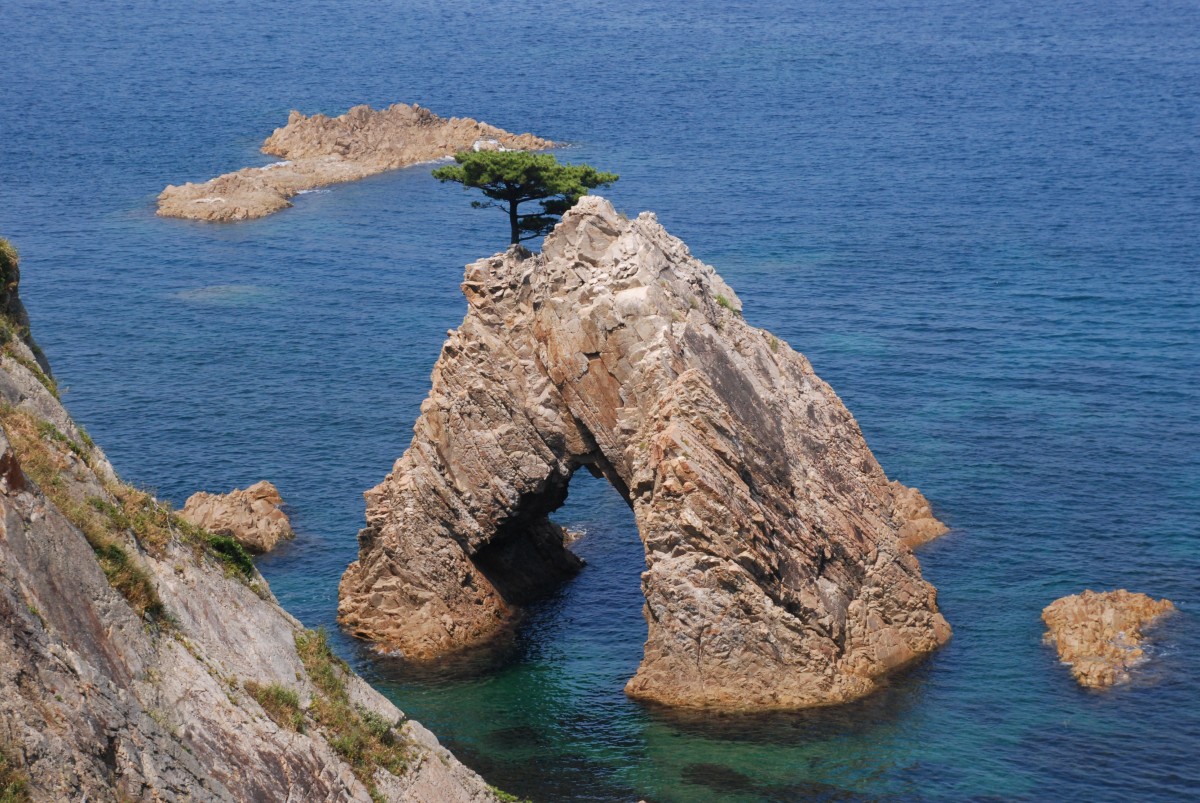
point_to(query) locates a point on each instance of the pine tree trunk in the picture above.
(515, 229)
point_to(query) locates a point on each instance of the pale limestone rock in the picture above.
(1099, 635)
(321, 150)
(98, 704)
(775, 573)
(252, 516)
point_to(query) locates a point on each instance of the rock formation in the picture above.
(775, 573)
(1099, 635)
(251, 516)
(142, 658)
(320, 150)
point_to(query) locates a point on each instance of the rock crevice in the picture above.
(777, 575)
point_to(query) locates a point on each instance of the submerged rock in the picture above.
(775, 573)
(321, 150)
(1099, 635)
(140, 660)
(252, 516)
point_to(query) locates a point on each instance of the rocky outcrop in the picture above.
(252, 516)
(321, 150)
(775, 574)
(1099, 635)
(142, 658)
(920, 525)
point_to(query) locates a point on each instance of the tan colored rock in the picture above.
(251, 516)
(920, 526)
(321, 150)
(1099, 635)
(775, 574)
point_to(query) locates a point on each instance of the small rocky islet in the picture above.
(1099, 635)
(319, 150)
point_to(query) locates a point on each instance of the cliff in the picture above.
(321, 150)
(776, 570)
(142, 658)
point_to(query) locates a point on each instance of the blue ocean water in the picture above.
(981, 222)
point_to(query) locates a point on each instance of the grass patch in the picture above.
(14, 784)
(363, 738)
(507, 797)
(281, 704)
(722, 301)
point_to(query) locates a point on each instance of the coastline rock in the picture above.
(1099, 635)
(252, 516)
(137, 662)
(775, 574)
(321, 150)
(920, 526)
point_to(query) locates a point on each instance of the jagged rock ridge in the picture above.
(775, 573)
(144, 660)
(321, 150)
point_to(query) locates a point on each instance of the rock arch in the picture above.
(777, 574)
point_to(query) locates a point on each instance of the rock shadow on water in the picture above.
(882, 711)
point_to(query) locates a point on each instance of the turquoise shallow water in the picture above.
(982, 225)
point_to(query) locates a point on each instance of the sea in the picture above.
(980, 221)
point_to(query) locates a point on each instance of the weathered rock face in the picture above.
(133, 657)
(252, 516)
(321, 150)
(1099, 635)
(775, 574)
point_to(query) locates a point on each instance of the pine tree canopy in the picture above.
(511, 178)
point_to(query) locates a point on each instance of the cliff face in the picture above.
(321, 150)
(145, 659)
(776, 575)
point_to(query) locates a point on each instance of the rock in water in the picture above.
(321, 150)
(775, 576)
(1099, 635)
(251, 516)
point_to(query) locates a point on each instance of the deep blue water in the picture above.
(980, 221)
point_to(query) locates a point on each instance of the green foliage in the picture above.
(511, 178)
(9, 260)
(14, 784)
(361, 737)
(506, 797)
(232, 554)
(279, 702)
(722, 301)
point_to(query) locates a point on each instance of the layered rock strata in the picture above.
(1100, 634)
(252, 515)
(144, 659)
(775, 576)
(320, 150)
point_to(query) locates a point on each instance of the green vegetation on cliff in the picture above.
(362, 737)
(14, 785)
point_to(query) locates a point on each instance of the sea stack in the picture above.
(1099, 635)
(319, 150)
(777, 576)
